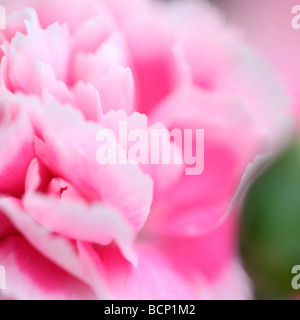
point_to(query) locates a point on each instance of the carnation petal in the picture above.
(50, 46)
(153, 278)
(69, 218)
(69, 151)
(16, 146)
(31, 276)
(61, 251)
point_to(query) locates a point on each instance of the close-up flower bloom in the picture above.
(74, 228)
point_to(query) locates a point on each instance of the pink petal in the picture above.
(50, 46)
(93, 270)
(69, 218)
(31, 276)
(226, 65)
(153, 278)
(61, 251)
(196, 204)
(16, 146)
(233, 284)
(6, 227)
(69, 151)
(37, 177)
(92, 32)
(51, 11)
(15, 22)
(209, 255)
(162, 175)
(42, 81)
(88, 101)
(157, 63)
(108, 71)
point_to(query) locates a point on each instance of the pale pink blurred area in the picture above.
(267, 25)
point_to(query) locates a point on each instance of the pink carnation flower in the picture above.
(71, 228)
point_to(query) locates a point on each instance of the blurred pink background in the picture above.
(267, 25)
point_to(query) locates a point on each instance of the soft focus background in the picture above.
(270, 222)
(266, 24)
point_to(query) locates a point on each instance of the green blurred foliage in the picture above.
(270, 227)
